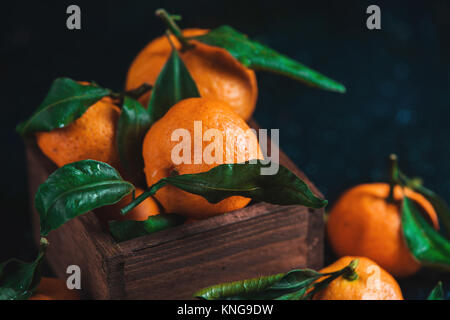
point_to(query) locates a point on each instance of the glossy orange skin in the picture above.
(54, 289)
(373, 283)
(363, 223)
(92, 136)
(218, 75)
(157, 150)
(148, 207)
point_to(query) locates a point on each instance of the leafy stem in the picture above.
(133, 93)
(143, 196)
(240, 179)
(351, 274)
(167, 34)
(300, 284)
(139, 91)
(348, 272)
(169, 20)
(18, 279)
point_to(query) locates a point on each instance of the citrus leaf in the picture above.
(245, 179)
(238, 290)
(75, 189)
(19, 279)
(296, 295)
(292, 285)
(263, 288)
(126, 230)
(256, 56)
(439, 204)
(437, 293)
(425, 243)
(318, 286)
(174, 84)
(66, 101)
(241, 179)
(133, 124)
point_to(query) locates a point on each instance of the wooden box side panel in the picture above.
(79, 242)
(271, 243)
(72, 245)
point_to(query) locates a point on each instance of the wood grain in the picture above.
(260, 239)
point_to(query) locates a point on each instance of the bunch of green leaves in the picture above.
(18, 279)
(173, 84)
(82, 186)
(426, 244)
(253, 54)
(300, 284)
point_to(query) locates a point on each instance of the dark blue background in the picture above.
(398, 83)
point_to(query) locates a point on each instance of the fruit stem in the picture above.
(139, 91)
(169, 20)
(393, 177)
(170, 40)
(351, 274)
(136, 201)
(43, 242)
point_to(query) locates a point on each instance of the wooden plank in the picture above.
(272, 243)
(79, 242)
(200, 226)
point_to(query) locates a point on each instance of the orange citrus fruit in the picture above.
(148, 207)
(364, 223)
(239, 145)
(92, 136)
(54, 289)
(216, 72)
(372, 283)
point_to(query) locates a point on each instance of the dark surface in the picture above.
(398, 83)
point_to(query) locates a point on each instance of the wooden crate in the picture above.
(260, 239)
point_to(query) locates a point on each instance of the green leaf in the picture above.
(19, 279)
(75, 189)
(318, 286)
(439, 204)
(128, 229)
(437, 293)
(66, 101)
(241, 179)
(425, 243)
(134, 123)
(259, 57)
(245, 179)
(296, 295)
(282, 286)
(174, 84)
(293, 285)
